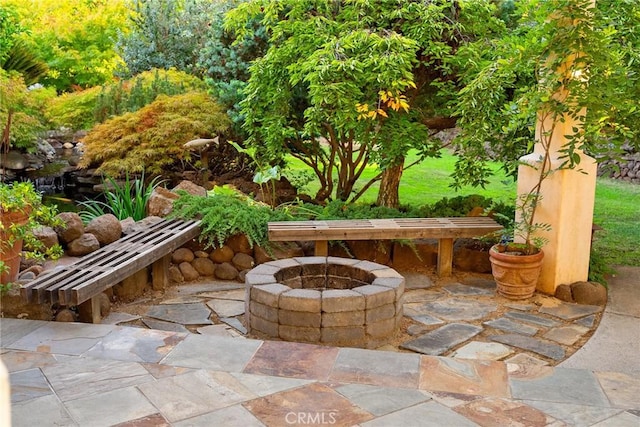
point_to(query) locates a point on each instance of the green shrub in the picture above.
(152, 138)
(128, 200)
(224, 215)
(74, 110)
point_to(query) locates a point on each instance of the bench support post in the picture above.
(160, 273)
(445, 257)
(89, 311)
(321, 248)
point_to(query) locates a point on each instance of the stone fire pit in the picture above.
(329, 300)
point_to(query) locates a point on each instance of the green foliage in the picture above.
(22, 58)
(74, 37)
(21, 111)
(224, 215)
(152, 138)
(344, 86)
(165, 34)
(22, 197)
(124, 200)
(9, 27)
(599, 269)
(455, 206)
(83, 109)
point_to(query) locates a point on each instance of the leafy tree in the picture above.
(74, 37)
(9, 27)
(508, 86)
(346, 84)
(165, 34)
(152, 138)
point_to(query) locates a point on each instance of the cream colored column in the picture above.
(567, 202)
(5, 397)
(567, 205)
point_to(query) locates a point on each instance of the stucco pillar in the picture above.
(567, 202)
(568, 197)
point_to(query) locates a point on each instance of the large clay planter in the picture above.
(10, 255)
(516, 275)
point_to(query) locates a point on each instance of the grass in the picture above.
(617, 206)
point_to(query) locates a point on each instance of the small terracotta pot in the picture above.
(516, 275)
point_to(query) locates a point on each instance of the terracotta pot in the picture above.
(10, 255)
(516, 274)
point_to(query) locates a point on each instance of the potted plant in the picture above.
(22, 211)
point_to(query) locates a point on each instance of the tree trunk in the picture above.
(388, 194)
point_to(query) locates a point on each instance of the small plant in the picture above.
(128, 200)
(265, 173)
(22, 198)
(225, 213)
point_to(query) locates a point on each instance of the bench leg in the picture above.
(445, 257)
(321, 248)
(89, 311)
(160, 273)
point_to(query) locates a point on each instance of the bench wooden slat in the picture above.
(402, 228)
(91, 275)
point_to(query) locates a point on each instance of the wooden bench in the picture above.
(444, 229)
(84, 280)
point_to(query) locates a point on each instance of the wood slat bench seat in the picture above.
(443, 229)
(94, 273)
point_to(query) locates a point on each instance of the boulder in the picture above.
(377, 250)
(222, 254)
(140, 225)
(133, 286)
(14, 160)
(419, 254)
(190, 188)
(83, 245)
(65, 315)
(127, 225)
(201, 254)
(188, 272)
(175, 275)
(240, 244)
(106, 228)
(226, 271)
(46, 235)
(181, 255)
(278, 250)
(72, 227)
(243, 261)
(161, 202)
(204, 266)
(563, 292)
(589, 293)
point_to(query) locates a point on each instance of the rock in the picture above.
(377, 251)
(243, 261)
(589, 293)
(83, 245)
(190, 188)
(127, 225)
(242, 275)
(72, 228)
(106, 228)
(278, 250)
(175, 275)
(222, 254)
(201, 254)
(418, 254)
(240, 244)
(188, 272)
(563, 292)
(181, 255)
(140, 225)
(68, 146)
(226, 271)
(45, 149)
(161, 202)
(46, 235)
(204, 266)
(105, 304)
(133, 286)
(35, 269)
(14, 160)
(65, 315)
(27, 276)
(467, 257)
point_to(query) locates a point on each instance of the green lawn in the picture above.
(617, 208)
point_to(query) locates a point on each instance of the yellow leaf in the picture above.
(382, 112)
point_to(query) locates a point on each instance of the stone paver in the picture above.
(572, 414)
(135, 345)
(567, 335)
(536, 345)
(482, 350)
(457, 309)
(567, 311)
(587, 322)
(226, 308)
(509, 325)
(115, 318)
(185, 314)
(215, 330)
(43, 411)
(442, 339)
(165, 326)
(12, 330)
(232, 415)
(28, 385)
(467, 290)
(234, 323)
(222, 354)
(526, 359)
(437, 414)
(532, 318)
(381, 400)
(425, 319)
(72, 338)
